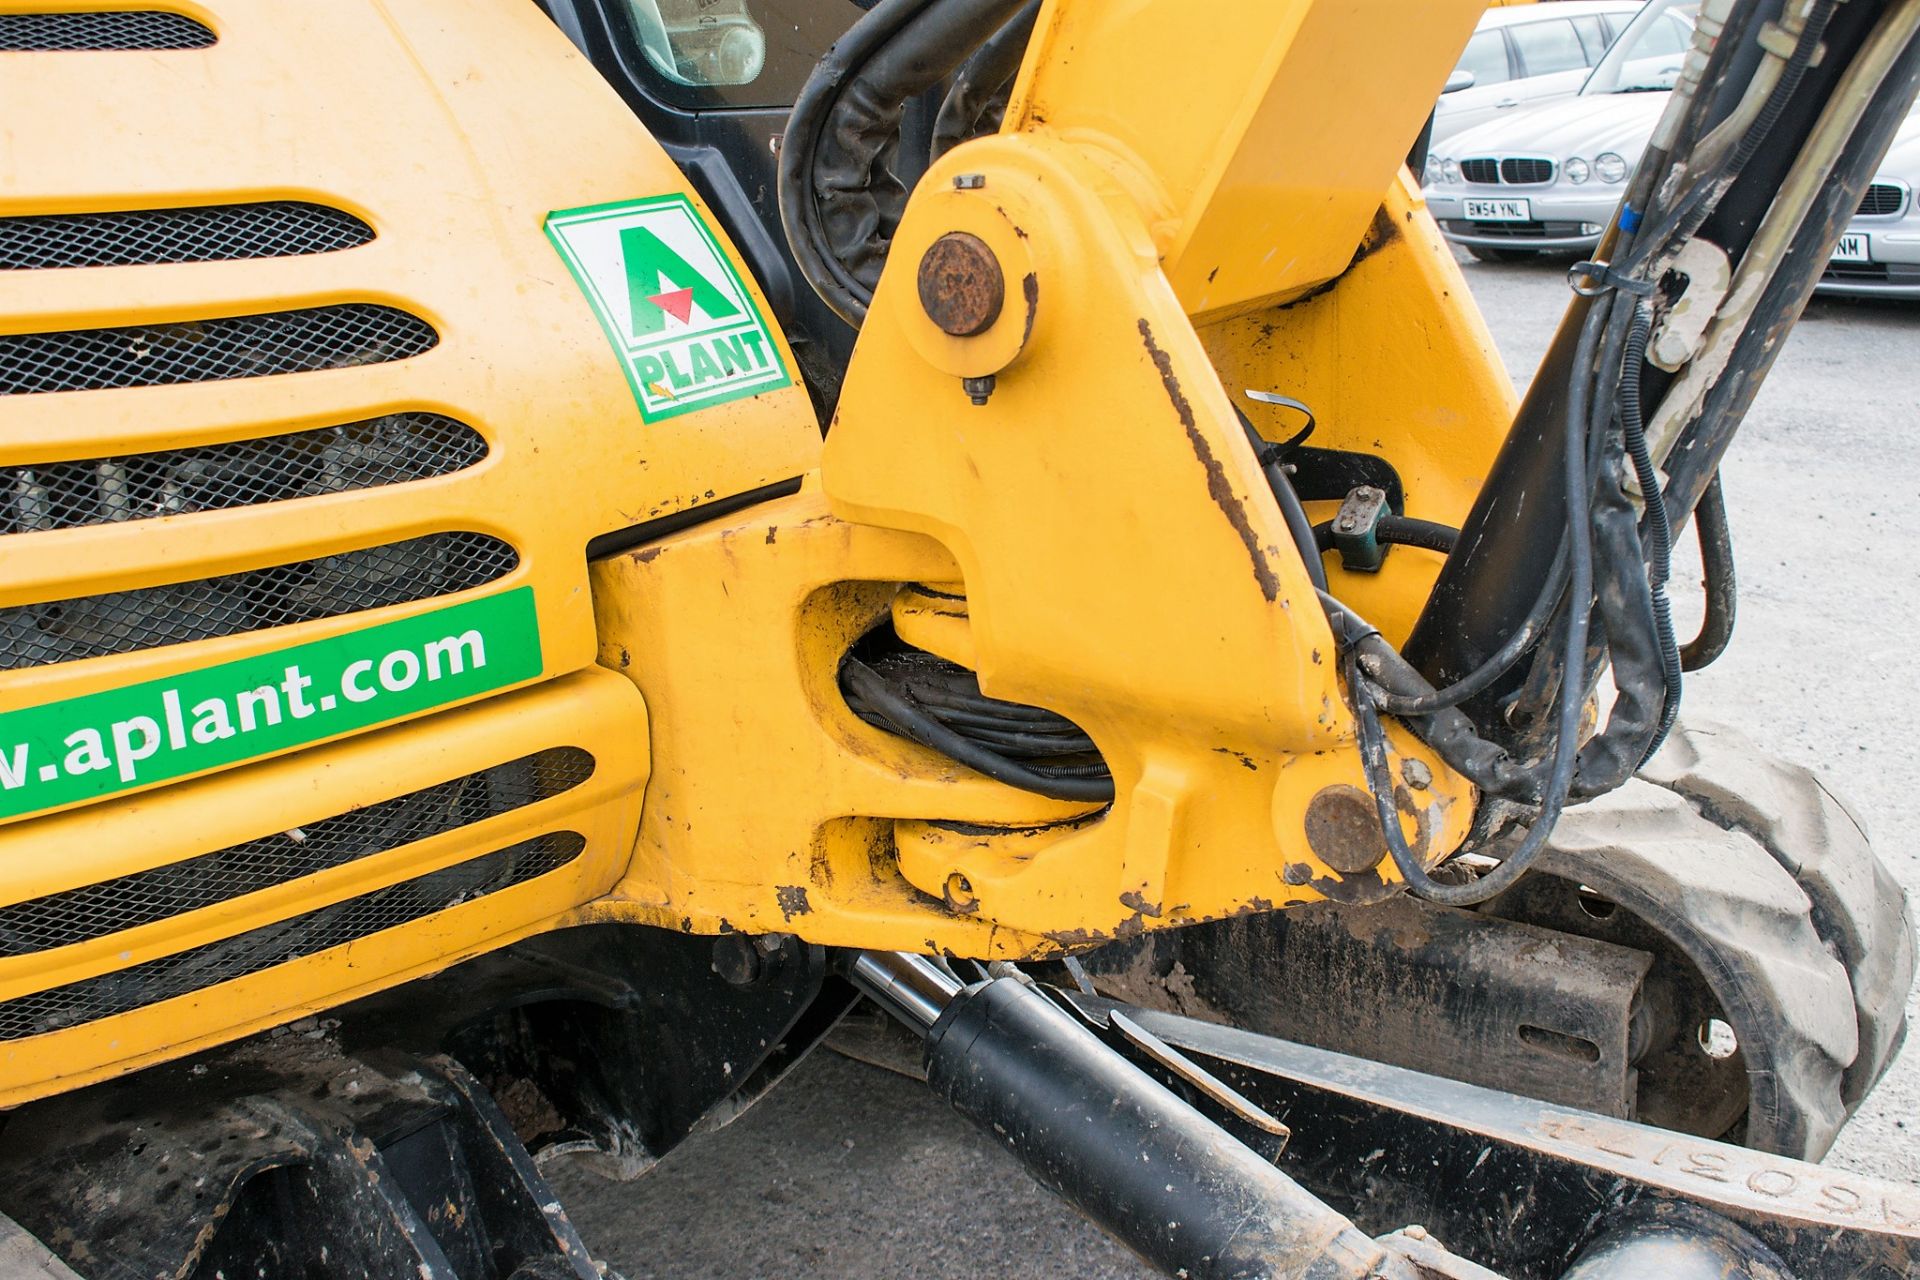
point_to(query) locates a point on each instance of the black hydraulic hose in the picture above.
(1716, 564)
(845, 118)
(1497, 664)
(1633, 431)
(1291, 509)
(799, 212)
(1572, 701)
(1398, 531)
(911, 722)
(980, 80)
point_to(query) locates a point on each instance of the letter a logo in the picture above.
(661, 283)
(688, 332)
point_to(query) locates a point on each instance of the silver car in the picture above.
(1879, 256)
(1550, 176)
(1523, 54)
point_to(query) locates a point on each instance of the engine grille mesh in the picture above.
(118, 29)
(356, 455)
(125, 902)
(439, 564)
(208, 233)
(187, 971)
(1881, 199)
(157, 355)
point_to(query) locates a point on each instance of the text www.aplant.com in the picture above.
(168, 725)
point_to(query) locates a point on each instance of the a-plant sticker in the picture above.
(674, 308)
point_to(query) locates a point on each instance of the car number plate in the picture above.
(1853, 247)
(1498, 211)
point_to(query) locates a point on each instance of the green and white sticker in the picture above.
(687, 331)
(118, 739)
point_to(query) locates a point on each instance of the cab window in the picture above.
(730, 53)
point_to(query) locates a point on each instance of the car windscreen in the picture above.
(1648, 55)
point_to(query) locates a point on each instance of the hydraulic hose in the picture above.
(1660, 531)
(1722, 592)
(981, 79)
(837, 202)
(911, 722)
(1398, 531)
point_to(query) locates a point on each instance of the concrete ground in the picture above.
(846, 1171)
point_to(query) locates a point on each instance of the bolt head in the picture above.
(737, 960)
(962, 288)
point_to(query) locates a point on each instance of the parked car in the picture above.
(1879, 256)
(1526, 54)
(1550, 177)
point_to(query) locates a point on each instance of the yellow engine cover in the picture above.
(243, 769)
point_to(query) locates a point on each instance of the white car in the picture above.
(1528, 53)
(1549, 176)
(1879, 256)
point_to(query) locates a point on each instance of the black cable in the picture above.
(1659, 527)
(1716, 565)
(981, 79)
(845, 118)
(1559, 782)
(1284, 493)
(1483, 677)
(910, 721)
(1398, 531)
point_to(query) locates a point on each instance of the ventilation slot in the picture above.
(439, 564)
(126, 902)
(156, 355)
(303, 464)
(211, 233)
(119, 29)
(269, 945)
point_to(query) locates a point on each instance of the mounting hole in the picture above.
(958, 892)
(1717, 1039)
(1594, 905)
(1560, 1044)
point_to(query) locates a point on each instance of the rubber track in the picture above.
(1748, 927)
(1859, 909)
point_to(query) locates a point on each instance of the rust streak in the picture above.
(1218, 486)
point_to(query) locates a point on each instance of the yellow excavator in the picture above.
(559, 553)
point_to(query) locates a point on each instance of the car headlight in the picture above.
(1436, 168)
(1576, 170)
(1450, 171)
(1610, 167)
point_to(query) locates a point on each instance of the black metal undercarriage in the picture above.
(398, 1136)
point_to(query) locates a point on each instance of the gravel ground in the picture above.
(847, 1171)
